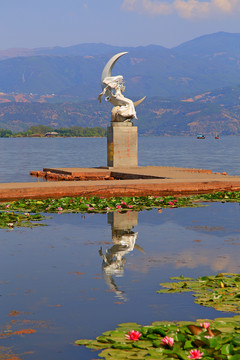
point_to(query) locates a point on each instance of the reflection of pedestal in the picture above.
(122, 145)
(123, 221)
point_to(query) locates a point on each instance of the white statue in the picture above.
(112, 86)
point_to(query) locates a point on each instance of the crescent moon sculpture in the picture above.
(112, 88)
(107, 71)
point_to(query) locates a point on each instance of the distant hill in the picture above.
(90, 49)
(19, 116)
(199, 65)
(212, 45)
(209, 113)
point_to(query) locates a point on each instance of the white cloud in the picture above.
(149, 6)
(226, 5)
(191, 8)
(184, 8)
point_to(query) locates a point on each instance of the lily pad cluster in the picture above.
(222, 292)
(101, 204)
(32, 208)
(224, 196)
(189, 341)
(10, 219)
(97, 204)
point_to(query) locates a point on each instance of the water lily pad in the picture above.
(143, 344)
(128, 325)
(11, 219)
(220, 291)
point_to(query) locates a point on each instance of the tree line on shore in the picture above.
(43, 130)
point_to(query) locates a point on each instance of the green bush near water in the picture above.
(73, 131)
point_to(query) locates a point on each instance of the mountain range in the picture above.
(206, 63)
(191, 87)
(209, 113)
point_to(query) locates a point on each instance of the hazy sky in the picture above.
(38, 23)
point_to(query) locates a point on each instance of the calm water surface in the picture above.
(19, 156)
(82, 275)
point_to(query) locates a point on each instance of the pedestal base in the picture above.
(122, 145)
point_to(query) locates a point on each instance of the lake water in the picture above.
(58, 280)
(19, 156)
(83, 274)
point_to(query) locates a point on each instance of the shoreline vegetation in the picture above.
(48, 131)
(20, 213)
(42, 131)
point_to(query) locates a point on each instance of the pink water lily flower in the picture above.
(195, 354)
(130, 206)
(123, 203)
(133, 335)
(60, 208)
(205, 325)
(170, 203)
(167, 341)
(118, 207)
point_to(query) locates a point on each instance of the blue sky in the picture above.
(39, 23)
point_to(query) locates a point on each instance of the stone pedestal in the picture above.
(122, 145)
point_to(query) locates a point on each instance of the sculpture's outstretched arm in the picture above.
(100, 97)
(101, 94)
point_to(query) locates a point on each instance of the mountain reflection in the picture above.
(124, 240)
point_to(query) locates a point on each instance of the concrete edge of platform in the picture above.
(140, 181)
(16, 191)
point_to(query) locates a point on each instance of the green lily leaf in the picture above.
(227, 349)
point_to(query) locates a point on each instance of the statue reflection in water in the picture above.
(124, 241)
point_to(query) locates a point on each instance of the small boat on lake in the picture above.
(200, 136)
(216, 136)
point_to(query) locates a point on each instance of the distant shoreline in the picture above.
(51, 137)
(55, 137)
(102, 137)
(41, 131)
